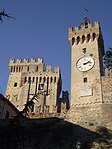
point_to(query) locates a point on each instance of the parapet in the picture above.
(25, 61)
(86, 32)
(83, 27)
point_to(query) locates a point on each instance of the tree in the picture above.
(108, 59)
(3, 14)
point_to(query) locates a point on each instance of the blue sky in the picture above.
(41, 30)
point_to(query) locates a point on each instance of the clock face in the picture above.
(85, 63)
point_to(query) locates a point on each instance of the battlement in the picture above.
(31, 66)
(25, 61)
(84, 26)
(84, 33)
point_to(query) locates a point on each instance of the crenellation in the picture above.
(40, 60)
(84, 28)
(18, 61)
(12, 61)
(70, 29)
(33, 60)
(96, 23)
(57, 69)
(26, 60)
(48, 69)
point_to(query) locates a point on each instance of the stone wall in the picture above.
(107, 89)
(28, 78)
(91, 116)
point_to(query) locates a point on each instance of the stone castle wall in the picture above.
(32, 77)
(95, 114)
(91, 116)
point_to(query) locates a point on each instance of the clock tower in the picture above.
(87, 50)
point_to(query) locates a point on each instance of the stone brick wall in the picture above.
(107, 89)
(91, 116)
(32, 77)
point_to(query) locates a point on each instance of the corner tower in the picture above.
(87, 50)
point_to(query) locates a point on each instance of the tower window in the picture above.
(44, 79)
(37, 68)
(19, 69)
(47, 79)
(73, 41)
(54, 79)
(29, 80)
(83, 39)
(51, 79)
(40, 79)
(85, 80)
(94, 36)
(78, 40)
(36, 79)
(14, 69)
(84, 50)
(25, 80)
(33, 79)
(28, 68)
(88, 37)
(15, 84)
(11, 69)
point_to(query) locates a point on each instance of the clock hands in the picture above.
(87, 62)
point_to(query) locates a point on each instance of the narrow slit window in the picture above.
(33, 79)
(85, 80)
(25, 80)
(28, 68)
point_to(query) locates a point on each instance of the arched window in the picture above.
(54, 79)
(73, 41)
(83, 39)
(78, 40)
(19, 69)
(14, 69)
(88, 37)
(47, 79)
(29, 80)
(11, 69)
(36, 79)
(28, 68)
(51, 79)
(37, 68)
(33, 80)
(25, 80)
(44, 79)
(40, 79)
(94, 36)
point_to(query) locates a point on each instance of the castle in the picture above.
(29, 78)
(91, 85)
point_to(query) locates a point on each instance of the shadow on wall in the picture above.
(48, 133)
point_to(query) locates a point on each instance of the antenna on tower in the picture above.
(86, 11)
(85, 19)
